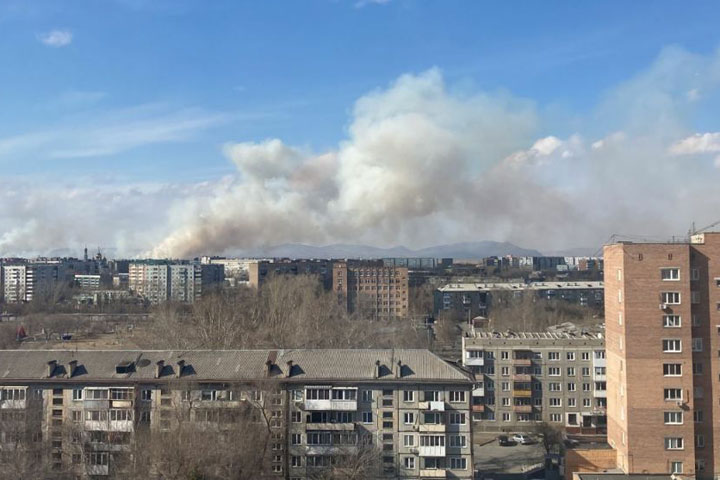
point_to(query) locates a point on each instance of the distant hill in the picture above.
(456, 250)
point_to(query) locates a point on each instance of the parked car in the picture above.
(522, 439)
(504, 441)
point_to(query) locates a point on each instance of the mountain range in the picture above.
(340, 250)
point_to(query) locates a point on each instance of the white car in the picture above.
(522, 439)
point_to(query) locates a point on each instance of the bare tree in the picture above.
(550, 437)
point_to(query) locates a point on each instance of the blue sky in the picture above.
(128, 92)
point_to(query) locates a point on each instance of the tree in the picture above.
(551, 437)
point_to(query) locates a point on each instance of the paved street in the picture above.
(512, 459)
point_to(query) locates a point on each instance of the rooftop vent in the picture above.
(125, 366)
(51, 365)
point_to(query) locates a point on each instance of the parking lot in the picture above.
(491, 457)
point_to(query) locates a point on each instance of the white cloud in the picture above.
(112, 132)
(364, 3)
(56, 38)
(698, 143)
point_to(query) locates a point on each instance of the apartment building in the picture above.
(409, 408)
(662, 308)
(260, 270)
(160, 281)
(376, 289)
(21, 282)
(527, 377)
(476, 299)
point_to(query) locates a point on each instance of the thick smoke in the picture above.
(423, 164)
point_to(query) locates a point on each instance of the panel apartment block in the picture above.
(379, 290)
(411, 408)
(530, 377)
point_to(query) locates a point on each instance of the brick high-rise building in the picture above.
(662, 313)
(373, 287)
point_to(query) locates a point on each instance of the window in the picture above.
(94, 394)
(673, 418)
(697, 368)
(457, 396)
(586, 387)
(504, 355)
(572, 402)
(295, 461)
(409, 440)
(697, 345)
(676, 467)
(694, 297)
(620, 318)
(556, 417)
(295, 439)
(554, 371)
(572, 387)
(571, 356)
(697, 416)
(367, 417)
(296, 417)
(673, 394)
(457, 419)
(77, 394)
(670, 274)
(505, 417)
(313, 394)
(458, 463)
(554, 387)
(409, 463)
(585, 356)
(673, 443)
(555, 402)
(586, 402)
(458, 441)
(367, 395)
(670, 298)
(695, 320)
(672, 321)
(586, 371)
(672, 345)
(571, 371)
(408, 396)
(699, 441)
(553, 355)
(505, 371)
(672, 369)
(409, 418)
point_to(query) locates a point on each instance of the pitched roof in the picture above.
(228, 365)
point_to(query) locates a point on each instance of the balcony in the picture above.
(121, 426)
(600, 393)
(331, 449)
(522, 377)
(478, 392)
(474, 361)
(478, 408)
(431, 427)
(97, 470)
(433, 473)
(324, 405)
(522, 362)
(431, 451)
(12, 404)
(432, 406)
(330, 426)
(522, 408)
(522, 393)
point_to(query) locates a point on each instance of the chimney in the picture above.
(377, 368)
(289, 368)
(398, 371)
(180, 365)
(268, 367)
(159, 366)
(72, 368)
(51, 368)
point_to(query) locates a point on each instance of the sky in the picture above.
(189, 127)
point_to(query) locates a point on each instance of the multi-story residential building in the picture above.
(87, 281)
(522, 378)
(408, 408)
(260, 270)
(159, 281)
(21, 282)
(662, 311)
(473, 299)
(378, 290)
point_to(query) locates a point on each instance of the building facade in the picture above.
(408, 408)
(368, 286)
(662, 308)
(523, 378)
(476, 299)
(160, 281)
(21, 282)
(260, 270)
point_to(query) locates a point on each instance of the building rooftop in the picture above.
(517, 286)
(626, 476)
(228, 365)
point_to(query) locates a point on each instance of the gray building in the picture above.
(528, 377)
(409, 407)
(160, 281)
(476, 299)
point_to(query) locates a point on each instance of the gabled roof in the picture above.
(228, 365)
